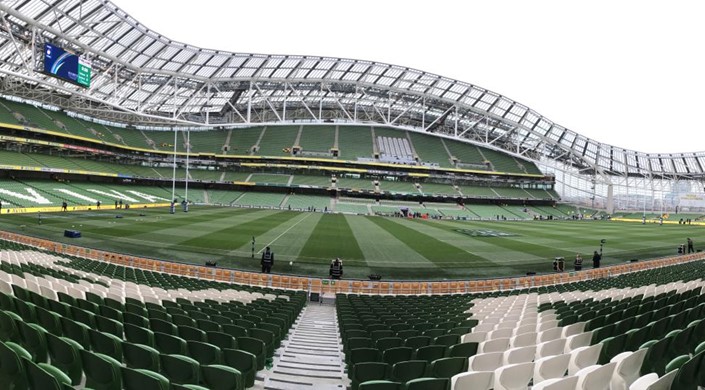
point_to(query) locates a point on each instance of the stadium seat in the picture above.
(12, 374)
(102, 372)
(140, 356)
(138, 379)
(244, 362)
(474, 380)
(44, 376)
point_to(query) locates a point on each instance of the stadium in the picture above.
(141, 180)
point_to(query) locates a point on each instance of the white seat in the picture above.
(550, 367)
(546, 325)
(474, 337)
(500, 333)
(527, 328)
(549, 334)
(48, 292)
(583, 357)
(484, 327)
(5, 287)
(565, 383)
(520, 355)
(476, 380)
(577, 341)
(627, 370)
(496, 345)
(523, 340)
(513, 376)
(550, 348)
(653, 382)
(595, 377)
(574, 329)
(489, 361)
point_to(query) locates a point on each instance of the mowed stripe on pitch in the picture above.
(237, 235)
(331, 238)
(429, 247)
(380, 247)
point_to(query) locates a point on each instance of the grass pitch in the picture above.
(395, 248)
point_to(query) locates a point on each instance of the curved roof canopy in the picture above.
(141, 77)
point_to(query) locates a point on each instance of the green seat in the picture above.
(255, 347)
(690, 373)
(140, 356)
(368, 371)
(427, 384)
(430, 353)
(189, 333)
(682, 342)
(12, 374)
(162, 326)
(76, 331)
(7, 302)
(267, 337)
(418, 341)
(168, 344)
(65, 355)
(385, 343)
(83, 316)
(140, 379)
(447, 340)
(408, 370)
(109, 325)
(676, 363)
(180, 369)
(204, 353)
(49, 321)
(44, 376)
(244, 362)
(447, 367)
(221, 340)
(611, 347)
(220, 377)
(26, 310)
(33, 338)
(380, 385)
(463, 350)
(360, 355)
(135, 319)
(139, 335)
(102, 371)
(8, 326)
(106, 344)
(234, 330)
(397, 354)
(181, 319)
(208, 325)
(656, 357)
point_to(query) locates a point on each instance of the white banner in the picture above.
(691, 200)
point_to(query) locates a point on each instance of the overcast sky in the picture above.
(627, 73)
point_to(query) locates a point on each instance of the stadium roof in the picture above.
(140, 77)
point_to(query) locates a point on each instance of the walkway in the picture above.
(311, 357)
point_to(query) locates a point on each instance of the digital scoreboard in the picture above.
(67, 66)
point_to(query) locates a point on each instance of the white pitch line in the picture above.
(285, 231)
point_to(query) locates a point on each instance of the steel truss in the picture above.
(144, 79)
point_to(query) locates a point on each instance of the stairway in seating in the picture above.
(311, 357)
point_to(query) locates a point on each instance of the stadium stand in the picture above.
(308, 202)
(243, 140)
(260, 199)
(430, 149)
(317, 139)
(277, 140)
(88, 319)
(355, 142)
(309, 180)
(269, 178)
